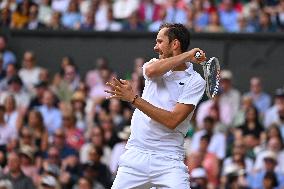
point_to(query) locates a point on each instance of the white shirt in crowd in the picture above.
(7, 134)
(217, 143)
(186, 87)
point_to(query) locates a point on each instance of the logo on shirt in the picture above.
(180, 83)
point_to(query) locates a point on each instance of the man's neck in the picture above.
(16, 174)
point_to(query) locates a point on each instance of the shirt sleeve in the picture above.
(144, 67)
(193, 91)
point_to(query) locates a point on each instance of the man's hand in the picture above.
(121, 89)
(192, 58)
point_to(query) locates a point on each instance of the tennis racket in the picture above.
(211, 69)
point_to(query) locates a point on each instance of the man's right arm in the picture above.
(162, 66)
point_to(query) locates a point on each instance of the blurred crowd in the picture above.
(243, 16)
(59, 131)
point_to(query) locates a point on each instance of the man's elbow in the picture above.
(172, 124)
(150, 72)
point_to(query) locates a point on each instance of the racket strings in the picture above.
(213, 78)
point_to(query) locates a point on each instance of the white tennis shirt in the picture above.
(165, 92)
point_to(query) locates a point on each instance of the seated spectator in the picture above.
(78, 103)
(8, 135)
(11, 71)
(21, 16)
(29, 73)
(27, 162)
(51, 114)
(234, 178)
(148, 11)
(270, 162)
(40, 134)
(74, 137)
(198, 179)
(96, 140)
(90, 171)
(48, 182)
(45, 12)
(8, 56)
(5, 18)
(72, 16)
(111, 24)
(103, 174)
(175, 14)
(33, 22)
(265, 24)
(88, 22)
(12, 116)
(261, 99)
(272, 115)
(86, 183)
(243, 26)
(274, 145)
(214, 24)
(239, 158)
(240, 117)
(252, 125)
(228, 16)
(37, 99)
(55, 21)
(119, 149)
(122, 9)
(154, 26)
(133, 23)
(217, 143)
(15, 175)
(201, 17)
(16, 88)
(101, 14)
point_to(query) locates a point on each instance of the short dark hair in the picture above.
(179, 32)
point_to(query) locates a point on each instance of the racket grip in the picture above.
(197, 55)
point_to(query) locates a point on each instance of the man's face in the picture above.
(14, 162)
(163, 46)
(2, 44)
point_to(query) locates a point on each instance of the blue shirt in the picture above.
(262, 102)
(70, 19)
(175, 15)
(255, 181)
(52, 118)
(229, 20)
(8, 58)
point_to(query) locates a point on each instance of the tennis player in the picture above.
(155, 153)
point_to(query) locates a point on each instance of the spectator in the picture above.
(228, 16)
(201, 17)
(27, 162)
(154, 26)
(72, 16)
(33, 22)
(11, 71)
(88, 22)
(60, 5)
(8, 56)
(243, 26)
(270, 162)
(21, 16)
(119, 149)
(101, 15)
(11, 116)
(252, 125)
(5, 18)
(122, 9)
(230, 97)
(15, 175)
(198, 179)
(48, 182)
(29, 73)
(239, 158)
(37, 100)
(60, 141)
(265, 24)
(148, 11)
(103, 174)
(214, 25)
(45, 12)
(274, 145)
(51, 114)
(133, 23)
(78, 103)
(111, 24)
(16, 88)
(217, 143)
(74, 137)
(175, 14)
(261, 100)
(90, 172)
(96, 140)
(8, 135)
(86, 183)
(40, 134)
(273, 114)
(234, 178)
(55, 21)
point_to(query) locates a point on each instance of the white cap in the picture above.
(226, 74)
(198, 173)
(49, 181)
(270, 155)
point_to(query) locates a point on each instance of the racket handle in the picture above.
(198, 55)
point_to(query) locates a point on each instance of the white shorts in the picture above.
(142, 170)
